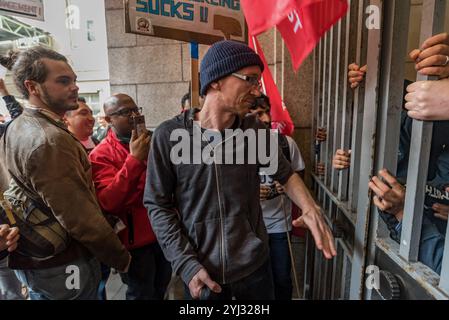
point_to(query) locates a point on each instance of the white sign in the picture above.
(32, 9)
(202, 21)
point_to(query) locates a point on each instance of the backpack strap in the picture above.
(283, 143)
(35, 202)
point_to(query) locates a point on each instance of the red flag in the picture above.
(280, 118)
(305, 25)
(301, 22)
(262, 15)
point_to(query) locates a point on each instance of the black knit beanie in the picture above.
(224, 58)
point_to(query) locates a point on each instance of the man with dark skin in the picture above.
(119, 165)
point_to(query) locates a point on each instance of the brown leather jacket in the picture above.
(54, 166)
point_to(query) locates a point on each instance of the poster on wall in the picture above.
(32, 9)
(201, 21)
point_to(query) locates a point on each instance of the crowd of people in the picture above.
(122, 203)
(119, 199)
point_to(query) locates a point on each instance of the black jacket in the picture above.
(207, 214)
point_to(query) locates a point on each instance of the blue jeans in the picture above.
(281, 266)
(10, 286)
(431, 245)
(105, 272)
(149, 274)
(77, 280)
(256, 286)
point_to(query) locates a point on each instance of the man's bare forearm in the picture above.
(299, 194)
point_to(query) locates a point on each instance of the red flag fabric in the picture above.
(304, 26)
(301, 22)
(262, 15)
(280, 118)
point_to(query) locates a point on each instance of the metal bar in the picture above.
(343, 206)
(323, 153)
(336, 275)
(316, 100)
(338, 114)
(444, 279)
(317, 277)
(432, 23)
(347, 94)
(394, 47)
(343, 277)
(316, 147)
(367, 158)
(330, 106)
(309, 265)
(358, 110)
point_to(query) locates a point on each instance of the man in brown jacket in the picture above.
(52, 166)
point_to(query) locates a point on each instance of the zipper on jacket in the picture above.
(220, 207)
(222, 240)
(221, 223)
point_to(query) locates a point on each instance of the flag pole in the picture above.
(194, 84)
(253, 39)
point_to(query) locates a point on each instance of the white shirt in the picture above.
(275, 210)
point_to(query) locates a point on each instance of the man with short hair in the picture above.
(119, 165)
(49, 167)
(277, 208)
(206, 215)
(80, 123)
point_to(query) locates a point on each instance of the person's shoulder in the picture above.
(167, 126)
(104, 147)
(35, 135)
(292, 142)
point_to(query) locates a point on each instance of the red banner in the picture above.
(300, 27)
(305, 25)
(262, 15)
(280, 118)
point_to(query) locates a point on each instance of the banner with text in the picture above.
(32, 9)
(201, 21)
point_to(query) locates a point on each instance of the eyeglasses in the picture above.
(126, 112)
(252, 80)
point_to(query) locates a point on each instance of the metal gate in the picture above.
(367, 121)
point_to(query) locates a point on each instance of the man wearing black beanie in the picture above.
(206, 215)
